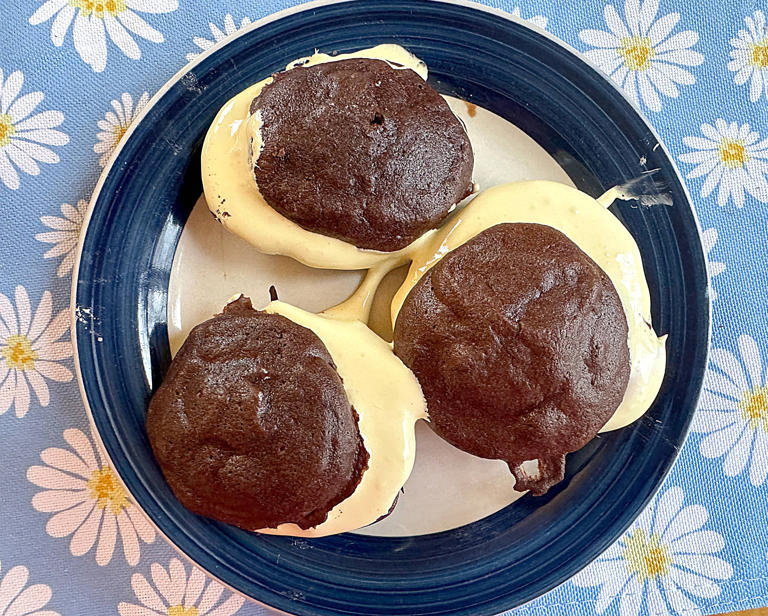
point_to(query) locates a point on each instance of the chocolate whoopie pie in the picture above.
(519, 341)
(360, 151)
(252, 425)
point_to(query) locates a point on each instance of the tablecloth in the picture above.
(73, 74)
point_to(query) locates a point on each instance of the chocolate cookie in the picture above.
(519, 341)
(252, 425)
(360, 151)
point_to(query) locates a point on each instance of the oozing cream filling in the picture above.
(388, 400)
(233, 195)
(599, 234)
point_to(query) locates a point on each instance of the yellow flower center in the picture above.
(637, 52)
(118, 131)
(180, 610)
(7, 129)
(107, 491)
(754, 407)
(646, 556)
(760, 54)
(733, 154)
(99, 8)
(18, 353)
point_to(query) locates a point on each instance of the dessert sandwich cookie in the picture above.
(340, 162)
(272, 420)
(526, 320)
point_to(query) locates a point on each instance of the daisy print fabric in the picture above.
(28, 134)
(94, 22)
(87, 502)
(217, 34)
(76, 76)
(663, 565)
(749, 56)
(64, 234)
(116, 121)
(20, 598)
(33, 347)
(731, 158)
(178, 590)
(733, 411)
(644, 52)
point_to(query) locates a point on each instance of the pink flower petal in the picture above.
(210, 597)
(194, 586)
(30, 600)
(67, 522)
(21, 398)
(143, 527)
(67, 461)
(85, 536)
(52, 479)
(23, 309)
(7, 392)
(178, 581)
(146, 594)
(107, 540)
(42, 316)
(39, 387)
(82, 446)
(130, 540)
(56, 351)
(53, 371)
(55, 330)
(130, 609)
(52, 501)
(13, 583)
(229, 607)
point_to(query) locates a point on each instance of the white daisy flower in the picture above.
(733, 411)
(732, 158)
(640, 55)
(21, 133)
(664, 561)
(65, 234)
(218, 35)
(172, 593)
(714, 268)
(88, 502)
(749, 56)
(18, 599)
(95, 20)
(114, 124)
(30, 349)
(536, 20)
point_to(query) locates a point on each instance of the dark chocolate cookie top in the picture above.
(252, 425)
(360, 151)
(519, 341)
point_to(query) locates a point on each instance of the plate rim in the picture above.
(300, 8)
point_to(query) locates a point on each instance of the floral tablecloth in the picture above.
(73, 74)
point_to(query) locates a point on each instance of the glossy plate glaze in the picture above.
(120, 327)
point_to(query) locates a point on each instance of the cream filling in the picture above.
(388, 400)
(599, 234)
(234, 198)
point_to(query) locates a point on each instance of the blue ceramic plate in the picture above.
(121, 289)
